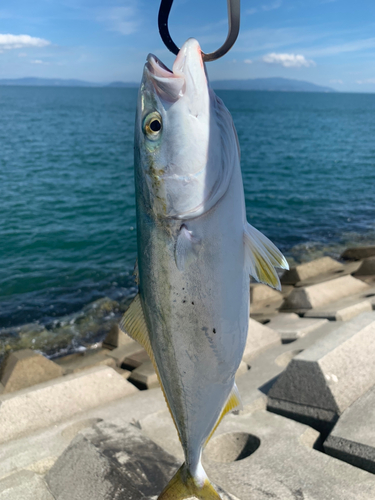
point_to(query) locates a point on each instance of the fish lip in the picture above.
(157, 68)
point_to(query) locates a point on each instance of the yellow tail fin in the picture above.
(183, 485)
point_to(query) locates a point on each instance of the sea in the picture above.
(67, 210)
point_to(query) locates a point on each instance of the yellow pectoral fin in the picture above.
(183, 485)
(262, 257)
(233, 403)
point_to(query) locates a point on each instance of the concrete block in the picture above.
(353, 437)
(348, 268)
(108, 461)
(259, 338)
(321, 382)
(82, 361)
(144, 376)
(129, 354)
(358, 253)
(309, 270)
(367, 267)
(261, 295)
(24, 485)
(242, 369)
(342, 310)
(290, 326)
(322, 294)
(30, 409)
(260, 455)
(116, 338)
(26, 368)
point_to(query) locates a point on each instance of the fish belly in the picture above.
(197, 318)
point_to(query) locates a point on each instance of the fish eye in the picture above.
(152, 125)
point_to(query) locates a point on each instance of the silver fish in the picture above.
(195, 254)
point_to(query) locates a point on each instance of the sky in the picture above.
(326, 42)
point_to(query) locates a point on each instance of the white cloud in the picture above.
(288, 60)
(121, 19)
(367, 80)
(36, 61)
(272, 6)
(8, 42)
(340, 82)
(248, 61)
(265, 7)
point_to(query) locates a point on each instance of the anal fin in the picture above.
(233, 404)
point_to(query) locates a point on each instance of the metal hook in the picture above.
(233, 29)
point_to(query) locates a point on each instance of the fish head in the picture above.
(179, 137)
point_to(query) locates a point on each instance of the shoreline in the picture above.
(86, 328)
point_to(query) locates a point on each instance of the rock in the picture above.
(321, 382)
(290, 326)
(83, 361)
(353, 437)
(310, 269)
(130, 354)
(58, 399)
(26, 368)
(358, 253)
(367, 268)
(24, 485)
(261, 295)
(259, 338)
(116, 338)
(144, 376)
(321, 294)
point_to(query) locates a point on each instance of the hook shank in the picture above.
(233, 29)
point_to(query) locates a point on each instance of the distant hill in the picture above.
(268, 84)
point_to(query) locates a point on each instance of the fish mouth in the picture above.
(157, 68)
(187, 74)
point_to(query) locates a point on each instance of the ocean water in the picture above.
(67, 214)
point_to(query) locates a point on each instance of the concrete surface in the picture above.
(30, 409)
(310, 269)
(325, 379)
(322, 294)
(353, 437)
(26, 368)
(290, 326)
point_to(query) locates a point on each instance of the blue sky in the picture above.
(328, 42)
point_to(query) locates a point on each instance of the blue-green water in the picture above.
(67, 215)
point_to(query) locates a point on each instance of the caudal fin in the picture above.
(183, 485)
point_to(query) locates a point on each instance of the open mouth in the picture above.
(157, 68)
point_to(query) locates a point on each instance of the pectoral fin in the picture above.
(186, 249)
(262, 256)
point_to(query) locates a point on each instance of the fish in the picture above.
(196, 252)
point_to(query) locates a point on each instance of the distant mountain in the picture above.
(47, 82)
(123, 84)
(268, 84)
